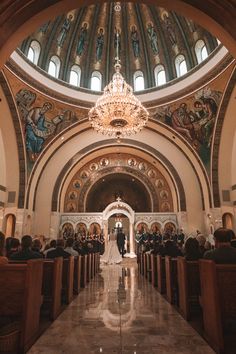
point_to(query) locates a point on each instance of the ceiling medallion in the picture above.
(118, 113)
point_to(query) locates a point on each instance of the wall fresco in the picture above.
(194, 118)
(42, 119)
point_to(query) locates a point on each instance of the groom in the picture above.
(121, 242)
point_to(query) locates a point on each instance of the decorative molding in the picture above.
(217, 139)
(19, 140)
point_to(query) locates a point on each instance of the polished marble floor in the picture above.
(120, 312)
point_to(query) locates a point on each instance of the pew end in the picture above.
(218, 294)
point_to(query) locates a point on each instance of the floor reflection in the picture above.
(120, 312)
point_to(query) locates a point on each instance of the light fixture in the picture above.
(118, 113)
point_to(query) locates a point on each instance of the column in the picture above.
(131, 254)
(105, 231)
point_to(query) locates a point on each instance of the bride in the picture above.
(112, 254)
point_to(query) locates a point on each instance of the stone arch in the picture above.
(9, 225)
(227, 220)
(120, 207)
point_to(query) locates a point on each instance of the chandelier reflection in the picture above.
(118, 113)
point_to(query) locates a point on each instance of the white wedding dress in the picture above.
(111, 254)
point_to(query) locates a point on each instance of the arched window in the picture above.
(33, 52)
(201, 50)
(54, 66)
(180, 65)
(138, 81)
(160, 75)
(75, 74)
(96, 81)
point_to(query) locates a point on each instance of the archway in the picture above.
(120, 222)
(121, 208)
(10, 224)
(227, 220)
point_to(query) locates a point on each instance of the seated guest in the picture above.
(8, 242)
(201, 241)
(52, 246)
(191, 249)
(37, 246)
(224, 252)
(69, 247)
(3, 259)
(59, 250)
(79, 247)
(208, 246)
(26, 252)
(170, 249)
(13, 247)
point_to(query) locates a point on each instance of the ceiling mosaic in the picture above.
(147, 36)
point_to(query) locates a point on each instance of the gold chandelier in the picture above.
(118, 113)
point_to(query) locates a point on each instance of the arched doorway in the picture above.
(120, 208)
(120, 222)
(227, 220)
(10, 224)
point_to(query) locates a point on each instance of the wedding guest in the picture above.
(52, 246)
(14, 247)
(224, 252)
(69, 247)
(201, 241)
(37, 246)
(192, 250)
(59, 250)
(26, 252)
(170, 249)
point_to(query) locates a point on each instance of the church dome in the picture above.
(155, 46)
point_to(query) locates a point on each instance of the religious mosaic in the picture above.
(194, 119)
(95, 170)
(42, 120)
(92, 37)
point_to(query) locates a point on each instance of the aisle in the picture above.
(120, 313)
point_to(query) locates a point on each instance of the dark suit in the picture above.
(25, 255)
(121, 242)
(58, 252)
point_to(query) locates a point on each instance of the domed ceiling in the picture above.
(148, 36)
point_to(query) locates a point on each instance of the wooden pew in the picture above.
(52, 287)
(154, 269)
(77, 274)
(189, 287)
(21, 299)
(161, 274)
(84, 271)
(218, 294)
(67, 280)
(171, 280)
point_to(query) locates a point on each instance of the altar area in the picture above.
(90, 223)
